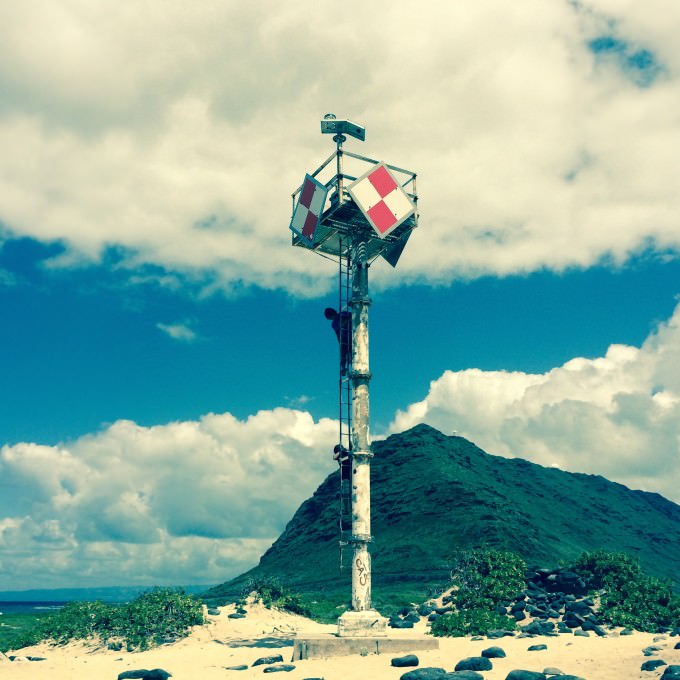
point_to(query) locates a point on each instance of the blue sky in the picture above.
(84, 347)
(167, 377)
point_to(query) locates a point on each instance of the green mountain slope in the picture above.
(433, 495)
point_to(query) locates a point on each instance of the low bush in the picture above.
(482, 579)
(628, 596)
(470, 622)
(485, 578)
(272, 593)
(157, 616)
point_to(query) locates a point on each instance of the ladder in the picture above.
(345, 400)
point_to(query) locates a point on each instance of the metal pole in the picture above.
(339, 139)
(361, 445)
(361, 620)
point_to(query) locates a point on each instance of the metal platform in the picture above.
(342, 221)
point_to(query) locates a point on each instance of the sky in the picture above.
(168, 383)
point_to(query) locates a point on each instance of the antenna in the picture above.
(372, 216)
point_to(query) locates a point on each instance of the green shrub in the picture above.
(485, 578)
(272, 593)
(470, 622)
(628, 596)
(157, 616)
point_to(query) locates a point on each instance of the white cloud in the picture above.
(179, 131)
(617, 415)
(113, 507)
(178, 331)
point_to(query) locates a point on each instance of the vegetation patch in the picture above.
(628, 596)
(481, 580)
(155, 617)
(272, 593)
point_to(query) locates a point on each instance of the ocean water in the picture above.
(30, 607)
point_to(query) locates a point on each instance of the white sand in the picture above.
(226, 642)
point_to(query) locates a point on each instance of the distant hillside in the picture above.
(433, 495)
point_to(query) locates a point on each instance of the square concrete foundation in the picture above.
(323, 646)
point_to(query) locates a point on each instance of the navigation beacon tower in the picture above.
(354, 219)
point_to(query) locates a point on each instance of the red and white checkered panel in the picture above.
(309, 208)
(382, 200)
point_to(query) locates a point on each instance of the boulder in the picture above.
(267, 660)
(671, 672)
(499, 633)
(537, 648)
(494, 653)
(405, 661)
(242, 667)
(424, 674)
(143, 674)
(524, 675)
(280, 668)
(474, 663)
(651, 650)
(652, 664)
(464, 675)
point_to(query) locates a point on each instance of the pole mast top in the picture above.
(363, 196)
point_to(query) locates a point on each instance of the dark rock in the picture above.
(443, 610)
(578, 607)
(213, 611)
(652, 665)
(677, 645)
(501, 610)
(626, 631)
(581, 633)
(280, 668)
(266, 660)
(36, 658)
(242, 667)
(425, 609)
(477, 638)
(401, 624)
(433, 616)
(499, 633)
(412, 616)
(143, 674)
(424, 674)
(494, 653)
(563, 628)
(474, 663)
(589, 625)
(464, 675)
(518, 606)
(519, 616)
(671, 672)
(652, 650)
(115, 646)
(567, 677)
(524, 675)
(236, 615)
(404, 661)
(551, 670)
(539, 628)
(537, 648)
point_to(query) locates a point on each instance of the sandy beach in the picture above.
(223, 642)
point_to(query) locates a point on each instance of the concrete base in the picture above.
(368, 623)
(323, 646)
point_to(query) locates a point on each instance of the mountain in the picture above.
(432, 495)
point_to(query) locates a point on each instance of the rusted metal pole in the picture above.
(361, 444)
(362, 620)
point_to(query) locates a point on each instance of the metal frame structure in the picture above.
(344, 233)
